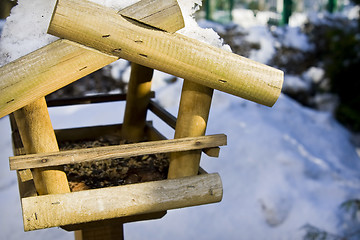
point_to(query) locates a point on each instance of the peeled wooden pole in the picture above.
(121, 201)
(62, 62)
(105, 30)
(38, 136)
(46, 70)
(137, 101)
(192, 120)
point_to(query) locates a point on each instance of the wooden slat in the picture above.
(121, 151)
(103, 29)
(99, 204)
(101, 98)
(164, 115)
(87, 133)
(46, 70)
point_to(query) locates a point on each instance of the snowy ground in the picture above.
(284, 167)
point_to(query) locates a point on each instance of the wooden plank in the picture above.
(162, 14)
(103, 29)
(99, 204)
(101, 98)
(192, 120)
(87, 133)
(120, 151)
(38, 136)
(46, 70)
(164, 115)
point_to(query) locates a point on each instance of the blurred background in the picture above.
(296, 169)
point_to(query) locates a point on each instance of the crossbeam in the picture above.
(104, 29)
(120, 151)
(106, 203)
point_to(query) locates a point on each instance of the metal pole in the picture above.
(331, 6)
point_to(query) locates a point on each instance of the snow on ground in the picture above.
(284, 167)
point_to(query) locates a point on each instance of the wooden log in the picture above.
(38, 136)
(137, 101)
(162, 14)
(25, 178)
(120, 151)
(62, 62)
(192, 119)
(99, 204)
(46, 70)
(103, 29)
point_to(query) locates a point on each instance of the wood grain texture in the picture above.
(192, 120)
(46, 70)
(38, 136)
(137, 101)
(62, 62)
(163, 14)
(120, 151)
(99, 204)
(103, 29)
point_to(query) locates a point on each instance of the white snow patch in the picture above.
(295, 84)
(264, 38)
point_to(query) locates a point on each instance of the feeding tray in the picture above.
(96, 148)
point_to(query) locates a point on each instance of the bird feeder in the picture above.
(91, 37)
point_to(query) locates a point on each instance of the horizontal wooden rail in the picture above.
(106, 203)
(120, 151)
(104, 29)
(164, 115)
(100, 98)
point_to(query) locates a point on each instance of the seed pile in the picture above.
(113, 172)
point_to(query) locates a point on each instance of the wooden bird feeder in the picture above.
(91, 37)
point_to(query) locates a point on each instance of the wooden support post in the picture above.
(137, 101)
(106, 232)
(38, 136)
(192, 120)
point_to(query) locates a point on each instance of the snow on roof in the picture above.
(25, 29)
